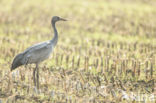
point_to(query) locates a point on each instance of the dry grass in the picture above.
(105, 52)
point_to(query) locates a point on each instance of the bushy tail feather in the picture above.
(17, 61)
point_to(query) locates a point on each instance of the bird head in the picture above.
(56, 18)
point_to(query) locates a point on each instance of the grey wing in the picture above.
(36, 46)
(37, 53)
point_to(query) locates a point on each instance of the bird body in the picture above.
(34, 54)
(38, 52)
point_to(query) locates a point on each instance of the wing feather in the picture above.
(37, 52)
(33, 54)
(17, 61)
(36, 47)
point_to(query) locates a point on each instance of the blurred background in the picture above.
(101, 30)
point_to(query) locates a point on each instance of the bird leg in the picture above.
(34, 76)
(37, 76)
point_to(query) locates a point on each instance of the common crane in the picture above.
(38, 52)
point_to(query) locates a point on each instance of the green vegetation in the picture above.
(105, 48)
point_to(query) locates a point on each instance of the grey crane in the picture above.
(38, 52)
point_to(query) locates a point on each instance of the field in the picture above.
(106, 52)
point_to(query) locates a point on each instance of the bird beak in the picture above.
(63, 19)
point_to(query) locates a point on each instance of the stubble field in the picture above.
(106, 51)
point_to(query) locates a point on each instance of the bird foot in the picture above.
(37, 91)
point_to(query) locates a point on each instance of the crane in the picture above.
(38, 52)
